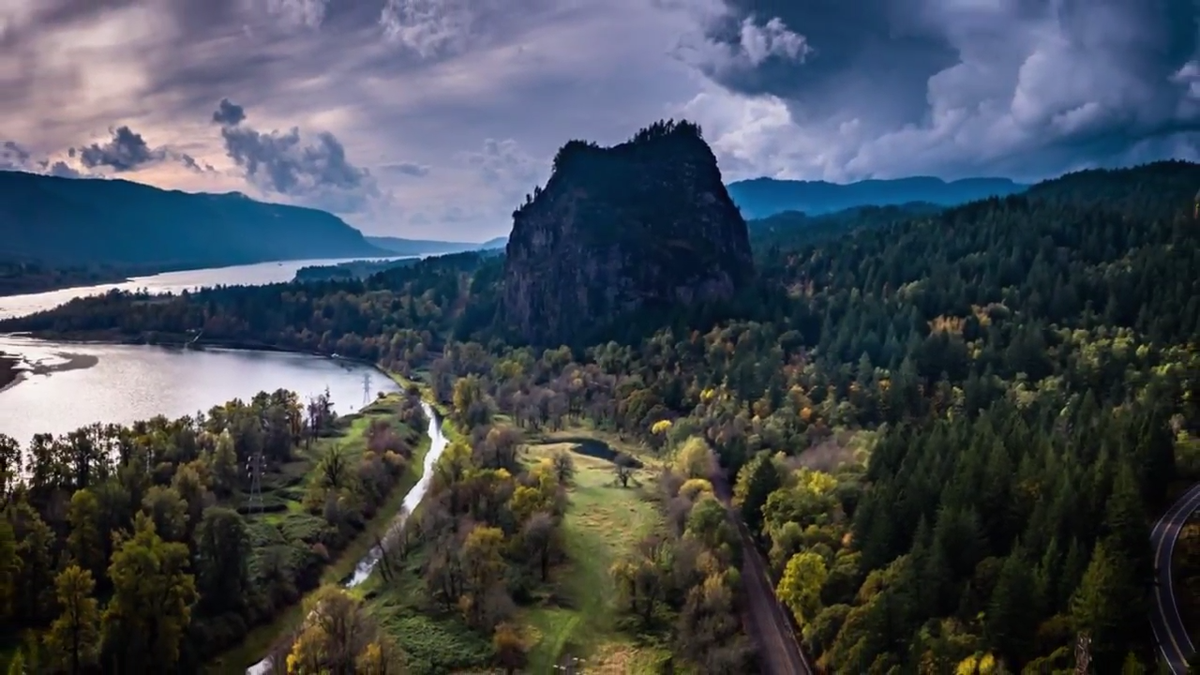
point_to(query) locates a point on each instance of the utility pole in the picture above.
(366, 388)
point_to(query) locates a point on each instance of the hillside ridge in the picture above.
(66, 221)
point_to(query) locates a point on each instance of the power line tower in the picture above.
(254, 469)
(366, 388)
(1083, 654)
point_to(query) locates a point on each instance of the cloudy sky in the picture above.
(433, 118)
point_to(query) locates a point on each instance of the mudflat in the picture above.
(12, 372)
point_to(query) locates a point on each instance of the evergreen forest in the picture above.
(947, 433)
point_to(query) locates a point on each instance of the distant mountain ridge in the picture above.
(763, 197)
(64, 221)
(401, 246)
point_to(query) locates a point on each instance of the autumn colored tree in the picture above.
(800, 587)
(694, 459)
(510, 648)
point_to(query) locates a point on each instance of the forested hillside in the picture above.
(948, 432)
(64, 222)
(791, 229)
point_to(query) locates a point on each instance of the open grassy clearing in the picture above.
(576, 614)
(578, 617)
(283, 494)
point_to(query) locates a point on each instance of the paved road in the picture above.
(1169, 631)
(767, 621)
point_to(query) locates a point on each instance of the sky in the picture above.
(433, 118)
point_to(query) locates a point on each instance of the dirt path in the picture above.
(766, 620)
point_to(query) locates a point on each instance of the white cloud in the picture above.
(307, 13)
(427, 27)
(771, 39)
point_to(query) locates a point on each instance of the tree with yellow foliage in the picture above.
(800, 587)
(978, 664)
(339, 636)
(483, 567)
(695, 459)
(509, 648)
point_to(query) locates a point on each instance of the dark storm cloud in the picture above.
(315, 171)
(126, 151)
(13, 156)
(1007, 85)
(228, 113)
(60, 169)
(406, 169)
(192, 163)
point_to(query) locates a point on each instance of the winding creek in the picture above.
(66, 385)
(362, 572)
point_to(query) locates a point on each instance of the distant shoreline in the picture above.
(60, 284)
(120, 274)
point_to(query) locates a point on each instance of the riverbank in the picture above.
(37, 279)
(186, 340)
(262, 639)
(9, 374)
(44, 281)
(26, 279)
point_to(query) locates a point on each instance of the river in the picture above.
(72, 385)
(168, 282)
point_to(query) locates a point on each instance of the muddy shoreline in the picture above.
(14, 369)
(9, 375)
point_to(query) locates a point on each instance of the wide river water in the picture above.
(74, 385)
(168, 282)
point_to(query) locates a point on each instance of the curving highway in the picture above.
(1169, 631)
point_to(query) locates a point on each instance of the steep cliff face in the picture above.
(640, 225)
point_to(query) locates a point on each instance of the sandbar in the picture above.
(14, 368)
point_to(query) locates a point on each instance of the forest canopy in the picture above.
(947, 432)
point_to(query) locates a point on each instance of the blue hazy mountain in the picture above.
(402, 246)
(763, 197)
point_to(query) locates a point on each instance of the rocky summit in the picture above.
(640, 225)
